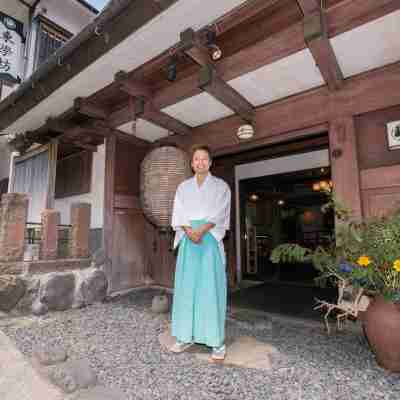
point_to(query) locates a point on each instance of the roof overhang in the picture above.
(276, 67)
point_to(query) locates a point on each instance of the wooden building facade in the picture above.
(303, 76)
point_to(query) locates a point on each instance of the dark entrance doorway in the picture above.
(284, 208)
(278, 209)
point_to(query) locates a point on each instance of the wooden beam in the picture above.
(308, 6)
(136, 15)
(146, 111)
(131, 86)
(346, 15)
(108, 209)
(316, 37)
(83, 106)
(243, 13)
(344, 163)
(226, 94)
(191, 45)
(70, 129)
(364, 93)
(52, 171)
(130, 138)
(78, 143)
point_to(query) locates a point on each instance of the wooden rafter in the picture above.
(83, 106)
(192, 46)
(134, 87)
(308, 6)
(79, 135)
(316, 37)
(209, 81)
(226, 94)
(146, 111)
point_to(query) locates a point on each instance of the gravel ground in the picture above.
(120, 339)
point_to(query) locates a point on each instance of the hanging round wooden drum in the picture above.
(162, 170)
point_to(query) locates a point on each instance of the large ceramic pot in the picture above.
(382, 326)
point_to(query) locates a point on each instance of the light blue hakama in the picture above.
(200, 295)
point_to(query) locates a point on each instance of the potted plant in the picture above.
(366, 255)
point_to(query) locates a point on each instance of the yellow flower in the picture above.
(363, 261)
(396, 265)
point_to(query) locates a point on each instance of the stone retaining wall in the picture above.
(57, 290)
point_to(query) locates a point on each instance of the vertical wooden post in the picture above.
(109, 190)
(344, 163)
(52, 170)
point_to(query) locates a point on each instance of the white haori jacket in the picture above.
(211, 201)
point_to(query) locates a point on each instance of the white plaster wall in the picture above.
(15, 9)
(4, 159)
(95, 197)
(70, 14)
(297, 162)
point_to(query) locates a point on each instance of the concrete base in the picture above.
(12, 386)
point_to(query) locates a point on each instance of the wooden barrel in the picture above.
(162, 170)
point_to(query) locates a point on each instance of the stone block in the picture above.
(57, 291)
(50, 221)
(94, 287)
(13, 214)
(80, 221)
(72, 375)
(12, 289)
(98, 393)
(32, 285)
(49, 355)
(160, 304)
(99, 258)
(38, 308)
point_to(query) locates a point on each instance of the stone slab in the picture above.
(244, 351)
(46, 266)
(14, 366)
(49, 355)
(98, 393)
(72, 375)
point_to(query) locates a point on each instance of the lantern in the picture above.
(162, 170)
(245, 132)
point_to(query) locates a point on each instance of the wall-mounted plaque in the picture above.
(11, 47)
(393, 132)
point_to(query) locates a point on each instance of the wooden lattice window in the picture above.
(50, 37)
(73, 175)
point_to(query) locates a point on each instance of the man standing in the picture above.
(200, 218)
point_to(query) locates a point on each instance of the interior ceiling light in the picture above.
(216, 52)
(254, 197)
(245, 132)
(171, 69)
(322, 185)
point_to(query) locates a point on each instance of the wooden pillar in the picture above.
(51, 182)
(50, 222)
(109, 193)
(344, 163)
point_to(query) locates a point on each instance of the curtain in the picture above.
(31, 177)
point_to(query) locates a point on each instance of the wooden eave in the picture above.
(248, 48)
